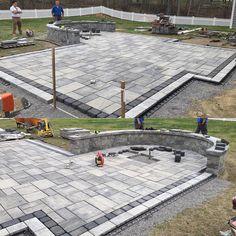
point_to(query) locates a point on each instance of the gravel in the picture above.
(197, 90)
(41, 109)
(190, 200)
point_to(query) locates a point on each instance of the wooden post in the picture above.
(54, 77)
(122, 86)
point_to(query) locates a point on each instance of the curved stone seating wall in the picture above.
(174, 139)
(89, 25)
(63, 36)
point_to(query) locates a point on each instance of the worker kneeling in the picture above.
(99, 159)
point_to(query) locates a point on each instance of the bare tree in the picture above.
(178, 7)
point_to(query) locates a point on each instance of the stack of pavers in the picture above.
(10, 134)
(178, 154)
(220, 146)
(16, 43)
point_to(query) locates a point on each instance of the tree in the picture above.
(178, 7)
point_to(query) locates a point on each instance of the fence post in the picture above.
(80, 13)
(132, 16)
(214, 21)
(92, 10)
(101, 9)
(35, 13)
(67, 12)
(174, 19)
(192, 23)
(232, 15)
(144, 17)
(112, 12)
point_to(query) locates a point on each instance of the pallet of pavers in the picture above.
(16, 43)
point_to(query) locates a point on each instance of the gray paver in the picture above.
(143, 62)
(86, 193)
(14, 229)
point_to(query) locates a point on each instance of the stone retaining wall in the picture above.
(175, 139)
(89, 25)
(63, 36)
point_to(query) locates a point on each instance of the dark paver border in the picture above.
(47, 221)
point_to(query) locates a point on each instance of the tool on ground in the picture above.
(6, 103)
(43, 126)
(99, 159)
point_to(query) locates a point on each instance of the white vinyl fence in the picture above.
(131, 16)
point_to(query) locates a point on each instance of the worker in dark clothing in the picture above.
(199, 123)
(139, 122)
(57, 11)
(204, 124)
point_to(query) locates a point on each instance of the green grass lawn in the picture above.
(40, 30)
(204, 220)
(39, 25)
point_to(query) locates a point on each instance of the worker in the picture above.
(139, 122)
(57, 11)
(16, 17)
(204, 124)
(199, 128)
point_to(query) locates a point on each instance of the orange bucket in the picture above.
(7, 102)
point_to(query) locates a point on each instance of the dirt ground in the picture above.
(207, 42)
(220, 106)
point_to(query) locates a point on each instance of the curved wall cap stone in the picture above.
(176, 139)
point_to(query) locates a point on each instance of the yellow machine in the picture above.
(43, 126)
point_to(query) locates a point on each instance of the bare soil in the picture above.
(220, 106)
(207, 42)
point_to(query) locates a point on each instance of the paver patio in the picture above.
(35, 176)
(147, 64)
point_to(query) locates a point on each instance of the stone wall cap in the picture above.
(159, 132)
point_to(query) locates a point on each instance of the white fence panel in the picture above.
(96, 10)
(86, 11)
(27, 14)
(203, 21)
(44, 13)
(127, 16)
(116, 14)
(108, 11)
(182, 20)
(74, 12)
(222, 22)
(4, 15)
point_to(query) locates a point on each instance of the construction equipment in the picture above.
(42, 126)
(163, 25)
